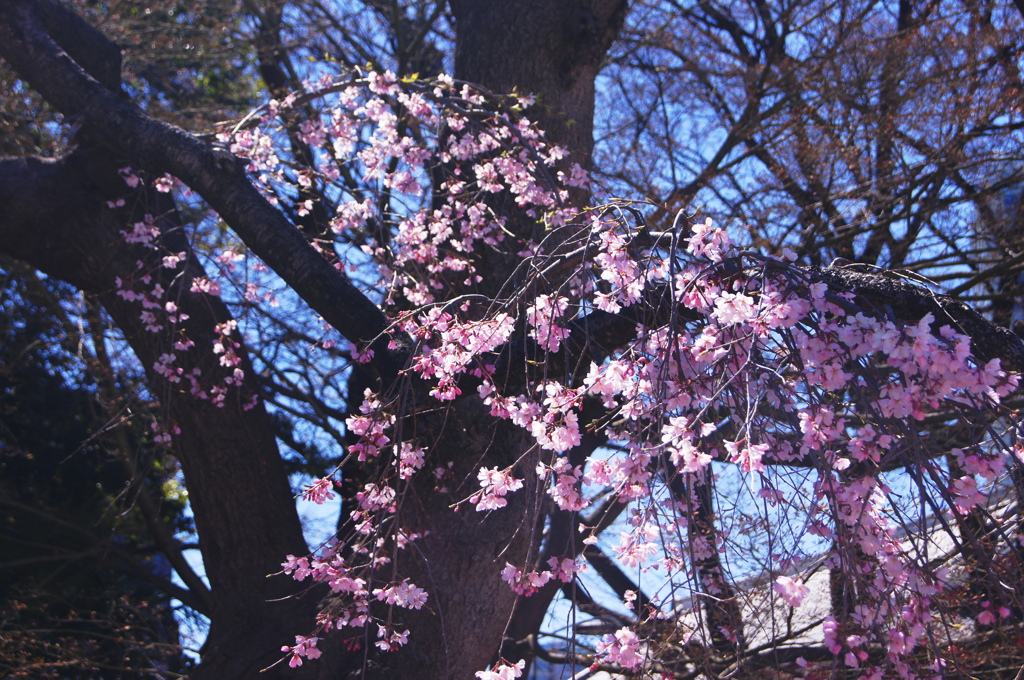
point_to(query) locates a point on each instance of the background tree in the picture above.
(852, 133)
(86, 450)
(86, 593)
(875, 133)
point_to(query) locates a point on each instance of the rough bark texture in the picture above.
(550, 49)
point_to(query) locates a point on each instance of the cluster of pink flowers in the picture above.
(319, 492)
(361, 132)
(503, 670)
(553, 421)
(495, 484)
(161, 315)
(304, 648)
(623, 648)
(453, 348)
(790, 590)
(371, 425)
(750, 360)
(543, 315)
(350, 580)
(529, 582)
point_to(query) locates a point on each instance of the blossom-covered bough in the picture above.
(636, 361)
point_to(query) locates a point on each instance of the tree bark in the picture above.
(554, 51)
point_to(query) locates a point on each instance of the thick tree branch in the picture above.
(910, 303)
(874, 293)
(96, 54)
(217, 176)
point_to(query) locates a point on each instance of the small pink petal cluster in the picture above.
(144, 233)
(403, 594)
(709, 241)
(495, 484)
(319, 492)
(566, 488)
(389, 640)
(618, 269)
(553, 422)
(349, 580)
(503, 670)
(370, 426)
(542, 316)
(987, 616)
(304, 647)
(454, 348)
(527, 583)
(790, 590)
(162, 316)
(623, 648)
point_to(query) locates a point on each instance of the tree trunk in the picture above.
(554, 51)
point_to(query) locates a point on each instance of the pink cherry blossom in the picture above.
(503, 670)
(319, 492)
(793, 592)
(742, 360)
(622, 648)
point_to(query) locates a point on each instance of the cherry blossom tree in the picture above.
(507, 369)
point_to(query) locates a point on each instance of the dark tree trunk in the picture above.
(554, 51)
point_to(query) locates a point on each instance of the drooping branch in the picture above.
(599, 333)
